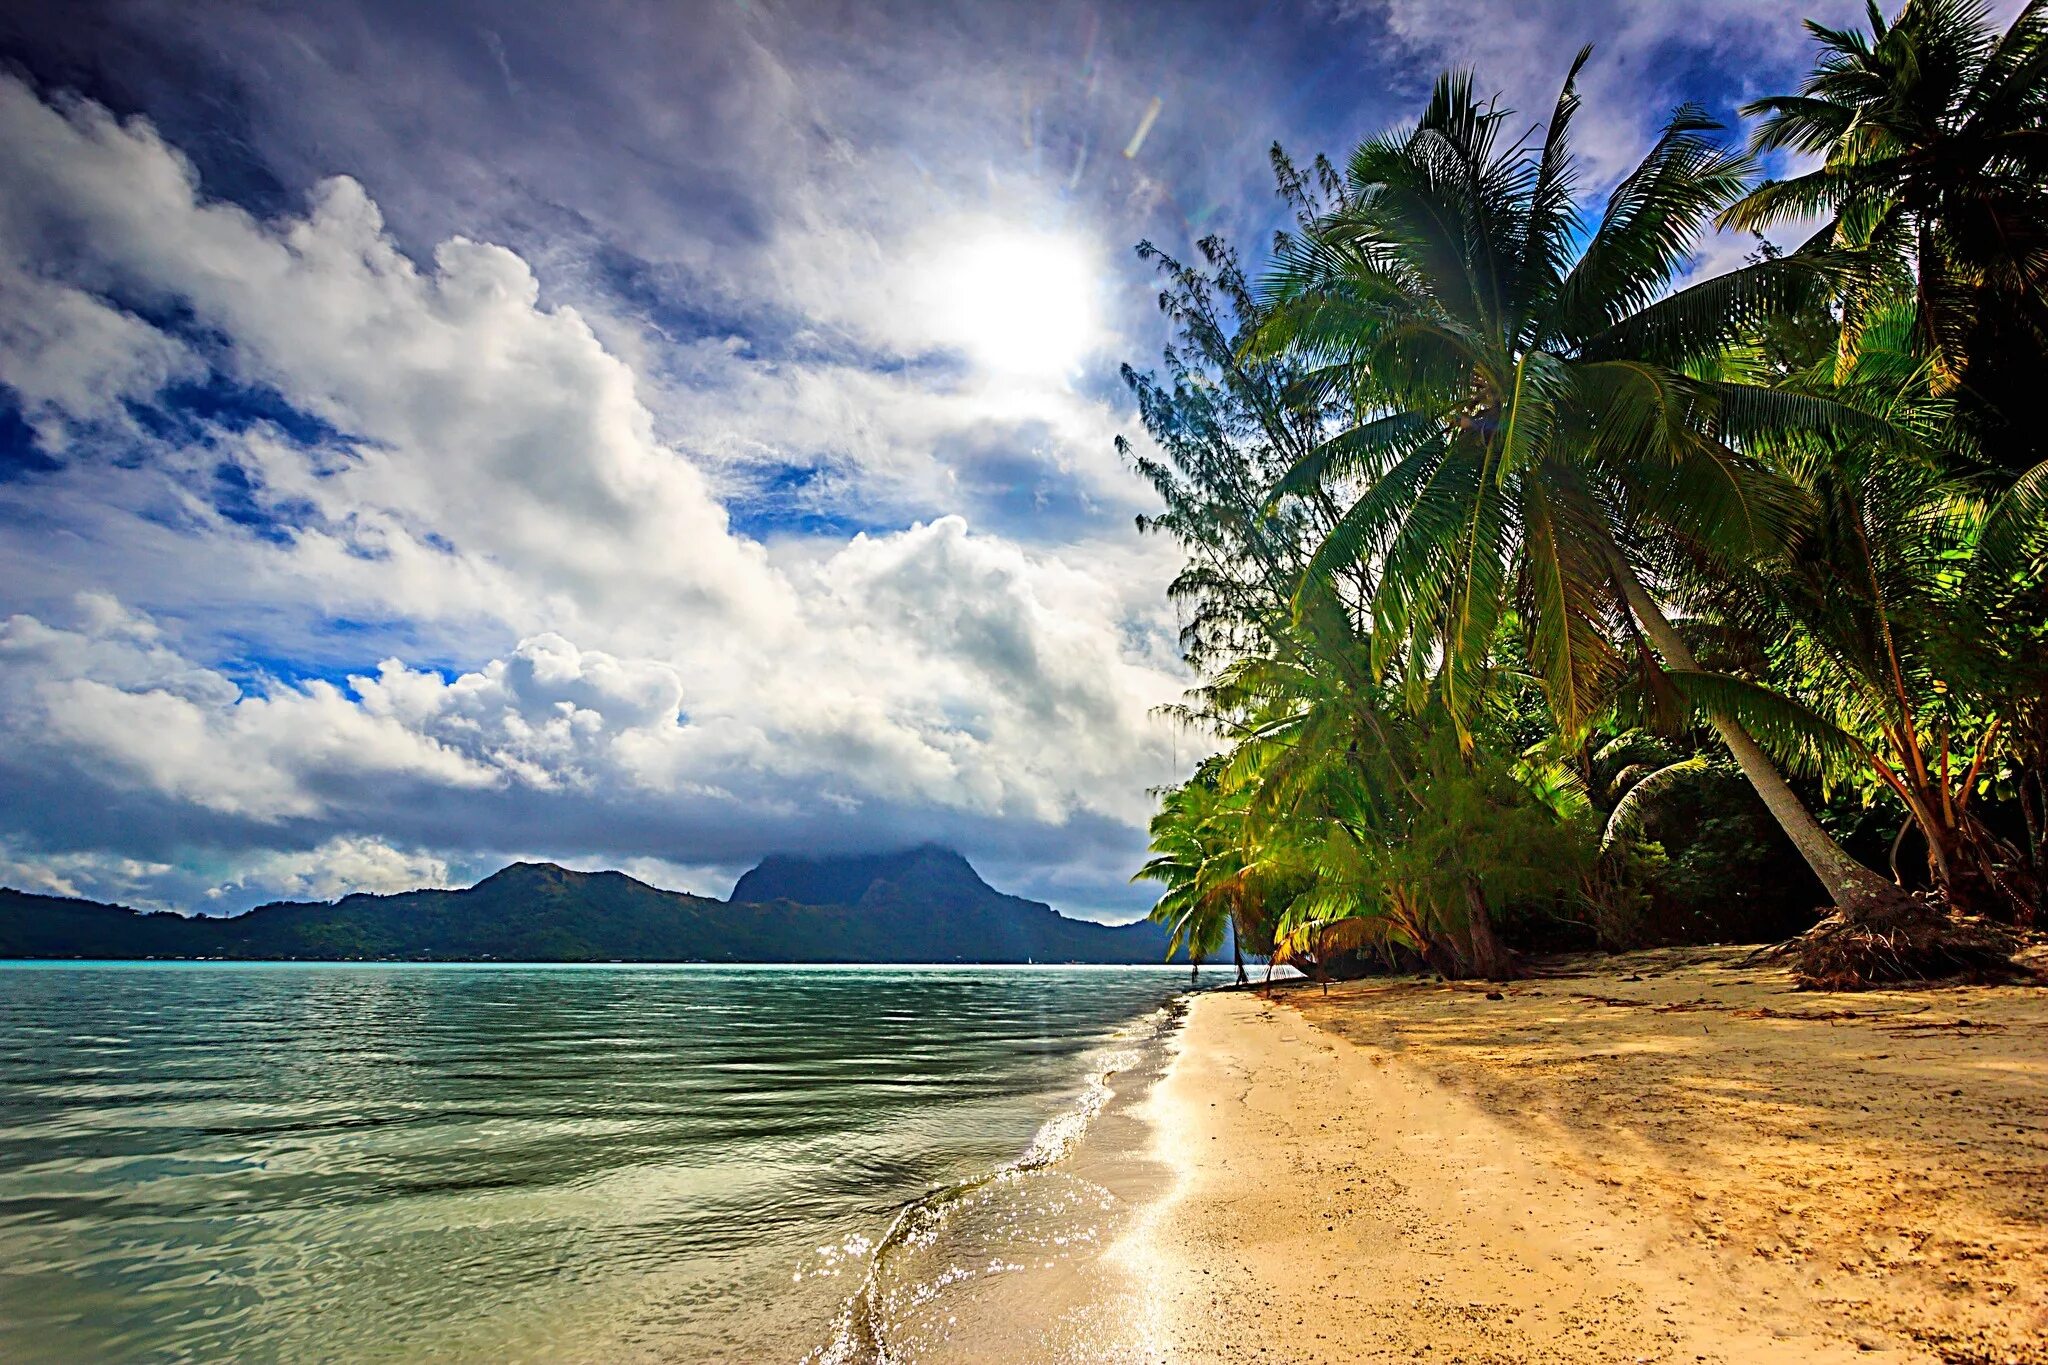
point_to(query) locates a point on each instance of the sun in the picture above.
(1020, 302)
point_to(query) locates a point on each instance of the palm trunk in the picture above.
(1857, 892)
(1237, 954)
(2032, 786)
(2030, 748)
(1463, 952)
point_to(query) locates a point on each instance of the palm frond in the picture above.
(1625, 821)
(1795, 735)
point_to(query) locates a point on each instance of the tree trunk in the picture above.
(1857, 892)
(1986, 875)
(1440, 953)
(2029, 741)
(2033, 788)
(1237, 955)
(1490, 957)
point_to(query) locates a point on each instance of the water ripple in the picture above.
(215, 1160)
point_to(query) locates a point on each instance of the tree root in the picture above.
(1852, 954)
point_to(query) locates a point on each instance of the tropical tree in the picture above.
(1384, 830)
(1203, 854)
(1932, 131)
(1223, 429)
(1533, 406)
(1863, 619)
(2005, 592)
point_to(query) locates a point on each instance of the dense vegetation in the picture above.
(922, 905)
(1544, 593)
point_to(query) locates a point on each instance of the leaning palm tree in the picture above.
(1528, 405)
(1933, 134)
(1932, 131)
(1865, 621)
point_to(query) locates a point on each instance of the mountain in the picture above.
(921, 905)
(933, 896)
(847, 879)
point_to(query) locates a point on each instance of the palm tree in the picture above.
(1375, 827)
(2007, 587)
(1933, 130)
(1203, 856)
(1528, 406)
(1863, 622)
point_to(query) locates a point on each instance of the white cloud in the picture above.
(135, 711)
(471, 415)
(99, 876)
(486, 467)
(70, 357)
(334, 869)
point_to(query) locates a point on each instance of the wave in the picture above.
(861, 1336)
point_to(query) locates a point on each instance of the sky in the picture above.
(645, 435)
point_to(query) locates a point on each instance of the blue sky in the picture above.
(647, 435)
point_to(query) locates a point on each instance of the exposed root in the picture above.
(1925, 944)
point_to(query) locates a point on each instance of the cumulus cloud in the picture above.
(469, 413)
(587, 473)
(73, 359)
(337, 868)
(448, 448)
(113, 698)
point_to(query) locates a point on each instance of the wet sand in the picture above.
(1673, 1157)
(1026, 1265)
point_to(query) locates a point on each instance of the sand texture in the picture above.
(1674, 1157)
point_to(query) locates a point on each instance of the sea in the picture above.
(301, 1162)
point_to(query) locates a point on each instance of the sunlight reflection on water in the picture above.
(344, 1161)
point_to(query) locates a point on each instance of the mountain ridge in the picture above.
(925, 904)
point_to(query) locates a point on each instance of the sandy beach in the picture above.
(1658, 1157)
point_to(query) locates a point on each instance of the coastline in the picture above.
(1659, 1157)
(1018, 1262)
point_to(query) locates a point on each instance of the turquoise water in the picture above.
(343, 1162)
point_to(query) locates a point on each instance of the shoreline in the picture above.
(1017, 1261)
(1658, 1157)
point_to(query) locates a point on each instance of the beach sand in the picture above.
(1658, 1157)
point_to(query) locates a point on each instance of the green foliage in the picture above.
(1519, 410)
(1932, 130)
(1498, 526)
(1223, 430)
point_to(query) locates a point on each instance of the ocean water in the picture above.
(325, 1162)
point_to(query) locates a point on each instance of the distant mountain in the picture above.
(933, 897)
(847, 879)
(922, 905)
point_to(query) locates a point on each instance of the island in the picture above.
(924, 904)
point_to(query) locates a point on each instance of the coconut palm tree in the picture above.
(1204, 856)
(1531, 407)
(1933, 134)
(1863, 622)
(1376, 827)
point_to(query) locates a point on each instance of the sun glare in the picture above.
(1020, 302)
